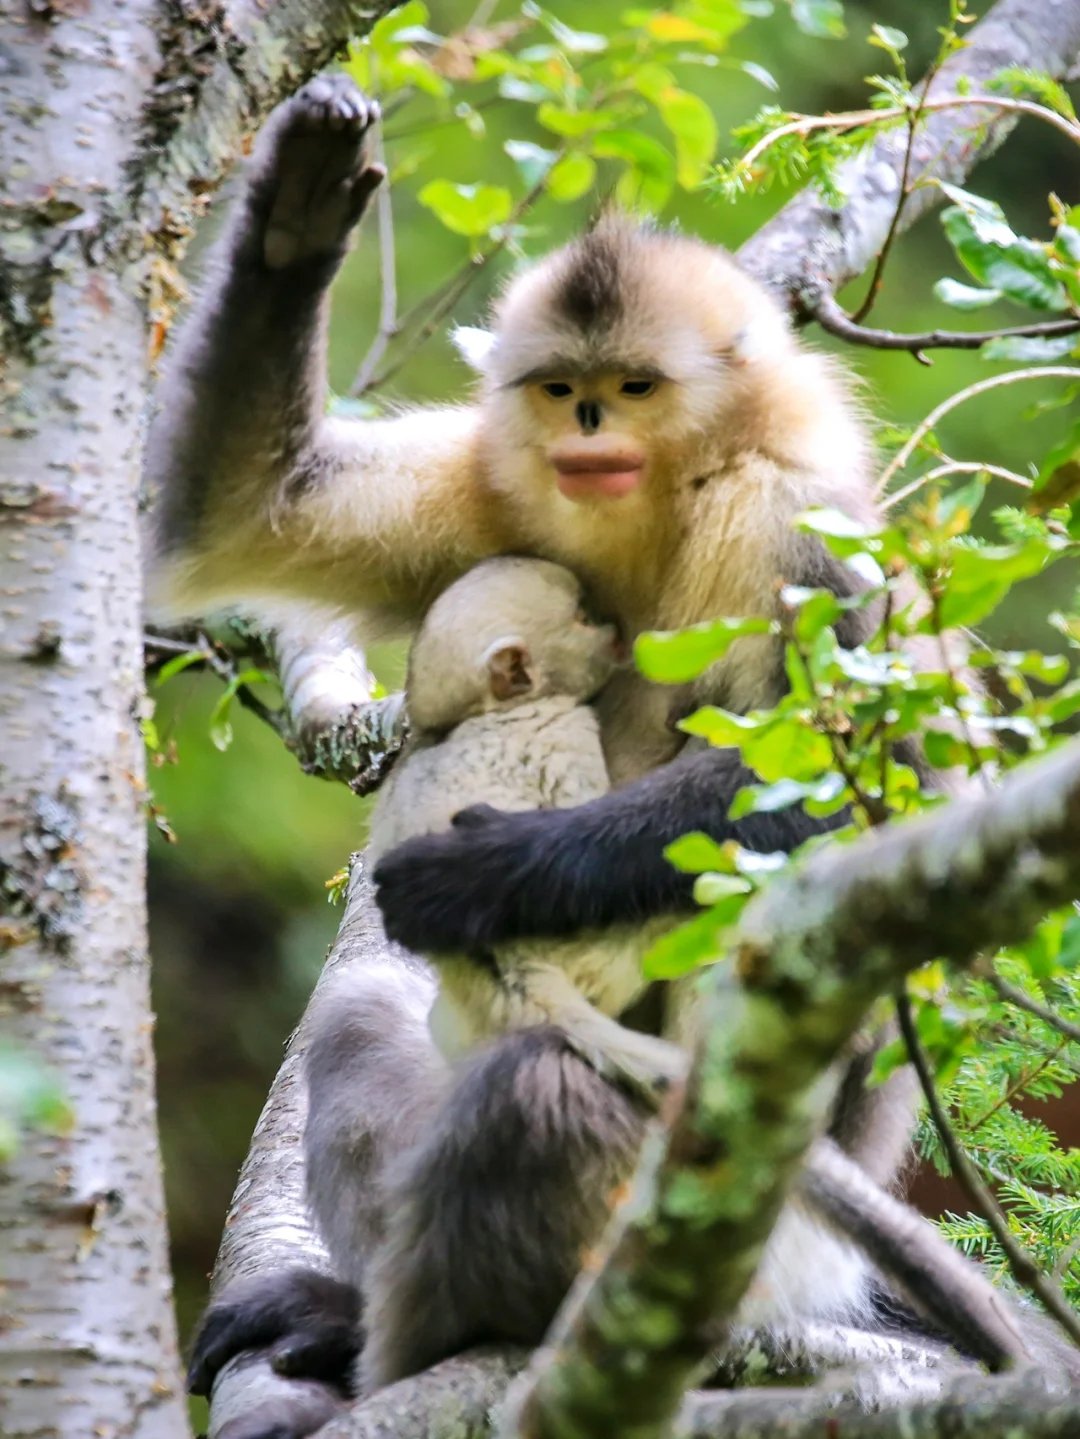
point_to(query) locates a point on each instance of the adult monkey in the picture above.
(645, 417)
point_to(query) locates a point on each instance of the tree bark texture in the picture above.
(89, 1346)
(116, 116)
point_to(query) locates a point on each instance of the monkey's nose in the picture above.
(588, 416)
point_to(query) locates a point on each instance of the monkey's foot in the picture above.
(309, 1324)
(641, 1064)
(318, 178)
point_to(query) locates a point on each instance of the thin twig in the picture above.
(1012, 994)
(453, 289)
(388, 316)
(1019, 1084)
(1012, 377)
(852, 119)
(224, 666)
(904, 194)
(958, 467)
(1022, 1265)
(835, 321)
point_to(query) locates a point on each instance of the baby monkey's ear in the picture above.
(507, 664)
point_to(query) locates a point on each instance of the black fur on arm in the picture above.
(496, 877)
(245, 388)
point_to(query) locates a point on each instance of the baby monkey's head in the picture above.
(510, 631)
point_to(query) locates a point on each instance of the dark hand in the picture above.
(489, 879)
(317, 178)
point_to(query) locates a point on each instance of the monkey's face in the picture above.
(613, 363)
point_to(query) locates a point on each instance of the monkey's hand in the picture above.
(496, 877)
(308, 1322)
(315, 179)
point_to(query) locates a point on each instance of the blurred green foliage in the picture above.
(506, 127)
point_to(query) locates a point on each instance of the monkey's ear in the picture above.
(507, 664)
(473, 345)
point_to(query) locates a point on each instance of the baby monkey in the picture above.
(500, 676)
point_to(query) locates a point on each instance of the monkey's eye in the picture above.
(557, 389)
(638, 389)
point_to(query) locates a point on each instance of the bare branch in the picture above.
(1024, 1268)
(388, 300)
(970, 392)
(835, 321)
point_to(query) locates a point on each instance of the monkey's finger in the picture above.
(325, 1351)
(363, 187)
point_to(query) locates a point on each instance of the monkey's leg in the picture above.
(476, 1004)
(374, 1078)
(244, 393)
(944, 1286)
(489, 1216)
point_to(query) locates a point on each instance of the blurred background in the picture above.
(240, 921)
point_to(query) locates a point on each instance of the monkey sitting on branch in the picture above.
(474, 1227)
(646, 417)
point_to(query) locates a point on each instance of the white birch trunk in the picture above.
(90, 1343)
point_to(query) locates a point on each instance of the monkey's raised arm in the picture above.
(258, 495)
(497, 877)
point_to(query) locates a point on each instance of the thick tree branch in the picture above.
(809, 958)
(809, 250)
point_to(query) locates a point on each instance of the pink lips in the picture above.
(584, 476)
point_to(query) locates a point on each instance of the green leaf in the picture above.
(887, 37)
(574, 124)
(824, 19)
(721, 727)
(789, 749)
(981, 578)
(571, 177)
(695, 131)
(999, 259)
(760, 74)
(829, 790)
(650, 177)
(964, 297)
(577, 42)
(713, 888)
(470, 210)
(532, 160)
(178, 664)
(696, 853)
(815, 609)
(677, 656)
(1066, 449)
(709, 25)
(694, 944)
(1030, 349)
